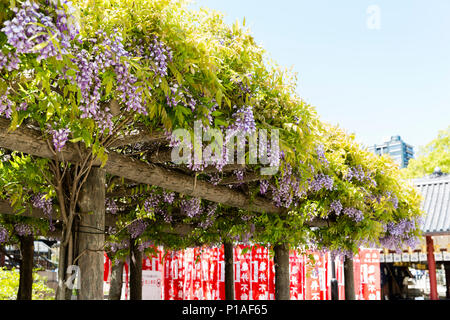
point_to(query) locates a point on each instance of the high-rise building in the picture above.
(400, 151)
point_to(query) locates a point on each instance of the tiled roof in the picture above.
(436, 204)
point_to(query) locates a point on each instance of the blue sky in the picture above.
(374, 83)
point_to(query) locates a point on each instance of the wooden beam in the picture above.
(110, 220)
(161, 156)
(251, 177)
(226, 168)
(5, 208)
(139, 171)
(30, 141)
(138, 137)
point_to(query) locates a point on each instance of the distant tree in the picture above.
(435, 154)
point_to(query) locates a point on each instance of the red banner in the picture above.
(199, 274)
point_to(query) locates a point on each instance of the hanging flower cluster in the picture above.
(59, 138)
(136, 228)
(9, 61)
(39, 201)
(336, 207)
(5, 104)
(23, 229)
(35, 29)
(3, 234)
(111, 205)
(192, 207)
(360, 175)
(354, 213)
(321, 181)
(399, 233)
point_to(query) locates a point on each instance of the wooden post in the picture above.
(349, 279)
(229, 270)
(432, 269)
(2, 259)
(334, 282)
(115, 288)
(91, 235)
(135, 272)
(282, 280)
(26, 268)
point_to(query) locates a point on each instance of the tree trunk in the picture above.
(91, 235)
(334, 282)
(115, 288)
(135, 272)
(2, 259)
(349, 279)
(229, 270)
(26, 268)
(282, 281)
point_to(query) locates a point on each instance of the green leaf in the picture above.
(219, 95)
(76, 139)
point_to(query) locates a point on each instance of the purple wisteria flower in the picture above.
(360, 175)
(3, 234)
(136, 228)
(215, 179)
(111, 205)
(151, 203)
(32, 30)
(169, 197)
(321, 155)
(9, 62)
(336, 207)
(244, 120)
(144, 245)
(392, 198)
(239, 174)
(210, 212)
(354, 213)
(321, 181)
(192, 207)
(39, 201)
(60, 137)
(283, 195)
(338, 253)
(23, 229)
(263, 186)
(5, 104)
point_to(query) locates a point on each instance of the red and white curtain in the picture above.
(199, 274)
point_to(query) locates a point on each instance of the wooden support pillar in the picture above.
(432, 269)
(2, 259)
(135, 272)
(115, 288)
(334, 282)
(26, 268)
(282, 280)
(91, 235)
(349, 279)
(229, 270)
